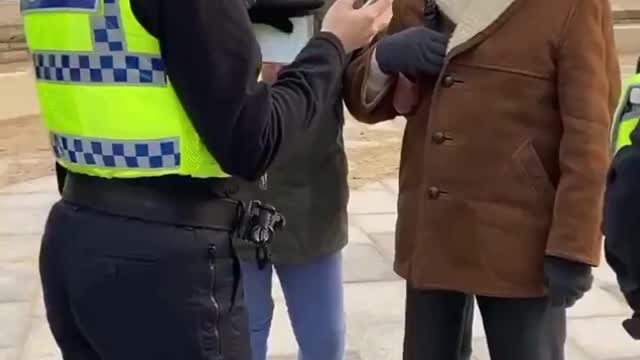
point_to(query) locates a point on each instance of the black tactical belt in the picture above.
(252, 222)
(123, 198)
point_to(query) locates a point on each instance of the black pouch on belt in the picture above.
(257, 225)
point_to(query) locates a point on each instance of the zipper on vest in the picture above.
(211, 252)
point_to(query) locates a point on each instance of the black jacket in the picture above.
(308, 183)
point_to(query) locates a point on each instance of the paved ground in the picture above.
(374, 294)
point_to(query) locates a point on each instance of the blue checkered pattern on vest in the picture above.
(48, 5)
(119, 68)
(109, 63)
(107, 29)
(108, 153)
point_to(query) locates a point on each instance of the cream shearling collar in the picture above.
(471, 17)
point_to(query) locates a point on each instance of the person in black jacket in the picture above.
(145, 268)
(309, 185)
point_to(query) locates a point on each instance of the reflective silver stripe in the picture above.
(159, 154)
(109, 63)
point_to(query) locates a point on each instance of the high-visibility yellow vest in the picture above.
(105, 95)
(626, 118)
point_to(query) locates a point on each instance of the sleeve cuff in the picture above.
(376, 85)
(337, 44)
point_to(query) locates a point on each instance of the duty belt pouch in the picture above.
(257, 225)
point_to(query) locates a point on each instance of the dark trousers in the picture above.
(117, 289)
(554, 337)
(438, 326)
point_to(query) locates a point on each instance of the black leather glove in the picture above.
(417, 50)
(566, 280)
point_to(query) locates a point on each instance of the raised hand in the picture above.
(356, 27)
(417, 50)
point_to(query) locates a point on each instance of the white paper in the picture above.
(634, 97)
(280, 47)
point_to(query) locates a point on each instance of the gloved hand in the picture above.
(633, 326)
(566, 280)
(417, 50)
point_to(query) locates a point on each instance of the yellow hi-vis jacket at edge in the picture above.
(627, 115)
(105, 95)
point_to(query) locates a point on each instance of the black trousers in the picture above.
(117, 289)
(554, 337)
(438, 326)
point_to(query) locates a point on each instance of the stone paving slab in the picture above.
(598, 302)
(18, 282)
(604, 275)
(382, 341)
(392, 184)
(14, 317)
(23, 212)
(357, 236)
(481, 351)
(374, 303)
(40, 344)
(29, 201)
(23, 221)
(8, 354)
(376, 223)
(365, 263)
(614, 290)
(386, 243)
(603, 338)
(371, 202)
(43, 185)
(19, 248)
(351, 355)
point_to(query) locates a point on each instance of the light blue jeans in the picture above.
(315, 301)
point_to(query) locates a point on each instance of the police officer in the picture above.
(622, 201)
(153, 109)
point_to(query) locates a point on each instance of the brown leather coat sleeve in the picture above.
(588, 89)
(406, 13)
